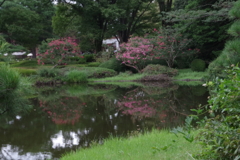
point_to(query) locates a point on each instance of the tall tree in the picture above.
(26, 22)
(205, 23)
(107, 18)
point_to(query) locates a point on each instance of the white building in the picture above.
(112, 42)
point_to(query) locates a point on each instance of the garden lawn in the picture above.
(188, 74)
(119, 77)
(155, 145)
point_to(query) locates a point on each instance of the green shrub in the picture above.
(47, 72)
(9, 78)
(81, 61)
(77, 60)
(114, 64)
(89, 57)
(93, 64)
(220, 137)
(75, 76)
(159, 69)
(198, 65)
(26, 72)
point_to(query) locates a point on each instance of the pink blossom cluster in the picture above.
(133, 52)
(59, 50)
(166, 47)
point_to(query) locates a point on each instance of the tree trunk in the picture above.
(34, 52)
(164, 6)
(98, 45)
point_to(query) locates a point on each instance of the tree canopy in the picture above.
(26, 22)
(105, 19)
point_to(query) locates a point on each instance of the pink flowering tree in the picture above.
(169, 45)
(58, 51)
(164, 45)
(135, 52)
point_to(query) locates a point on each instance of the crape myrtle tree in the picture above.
(166, 44)
(26, 22)
(58, 51)
(107, 18)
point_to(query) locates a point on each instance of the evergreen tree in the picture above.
(231, 52)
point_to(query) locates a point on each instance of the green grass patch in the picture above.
(26, 72)
(25, 63)
(126, 76)
(9, 79)
(75, 76)
(189, 74)
(93, 64)
(118, 83)
(92, 72)
(153, 145)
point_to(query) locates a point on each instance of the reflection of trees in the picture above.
(159, 106)
(13, 103)
(85, 118)
(65, 110)
(27, 133)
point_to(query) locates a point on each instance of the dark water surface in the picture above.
(66, 118)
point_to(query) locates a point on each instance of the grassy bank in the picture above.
(153, 145)
(94, 74)
(188, 74)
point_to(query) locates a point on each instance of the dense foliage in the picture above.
(220, 137)
(26, 22)
(231, 52)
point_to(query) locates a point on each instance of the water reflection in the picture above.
(66, 118)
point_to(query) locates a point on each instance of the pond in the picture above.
(67, 118)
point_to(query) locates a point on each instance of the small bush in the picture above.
(75, 76)
(89, 57)
(81, 61)
(113, 64)
(9, 79)
(198, 65)
(47, 72)
(159, 69)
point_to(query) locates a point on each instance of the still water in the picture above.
(67, 118)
